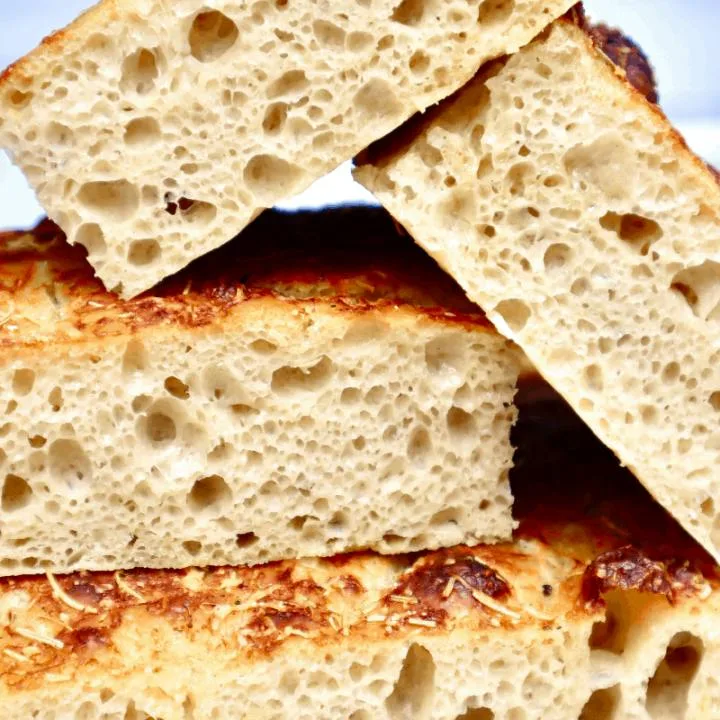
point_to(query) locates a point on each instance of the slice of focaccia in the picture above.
(599, 609)
(318, 385)
(154, 130)
(566, 205)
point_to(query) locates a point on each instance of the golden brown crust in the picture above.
(20, 72)
(629, 57)
(73, 620)
(351, 259)
(628, 568)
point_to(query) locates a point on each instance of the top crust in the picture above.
(629, 57)
(354, 258)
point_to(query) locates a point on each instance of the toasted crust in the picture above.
(628, 56)
(77, 634)
(49, 294)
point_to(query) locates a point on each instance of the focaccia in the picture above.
(317, 386)
(154, 130)
(566, 205)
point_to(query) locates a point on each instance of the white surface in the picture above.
(678, 35)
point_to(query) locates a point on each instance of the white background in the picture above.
(680, 36)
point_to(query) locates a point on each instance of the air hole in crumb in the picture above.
(409, 12)
(195, 212)
(23, 381)
(192, 547)
(220, 384)
(377, 99)
(116, 200)
(91, 237)
(142, 131)
(59, 134)
(177, 388)
(700, 286)
(460, 423)
(593, 378)
(515, 313)
(329, 34)
(557, 256)
(212, 34)
(210, 494)
(495, 12)
(160, 428)
(445, 354)
(68, 462)
(275, 117)
(671, 372)
(135, 359)
(639, 232)
(668, 688)
(144, 252)
(350, 395)
(19, 99)
(140, 71)
(412, 696)
(602, 704)
(289, 84)
(449, 516)
(244, 540)
(16, 493)
(649, 414)
(263, 347)
(268, 176)
(419, 63)
(419, 445)
(358, 41)
(286, 380)
(482, 713)
(364, 330)
(298, 522)
(339, 521)
(55, 398)
(611, 633)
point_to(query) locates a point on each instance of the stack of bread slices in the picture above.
(350, 464)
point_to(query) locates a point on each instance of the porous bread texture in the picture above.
(573, 619)
(236, 425)
(569, 209)
(154, 131)
(287, 431)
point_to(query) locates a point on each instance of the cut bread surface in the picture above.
(600, 607)
(318, 386)
(569, 209)
(154, 131)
